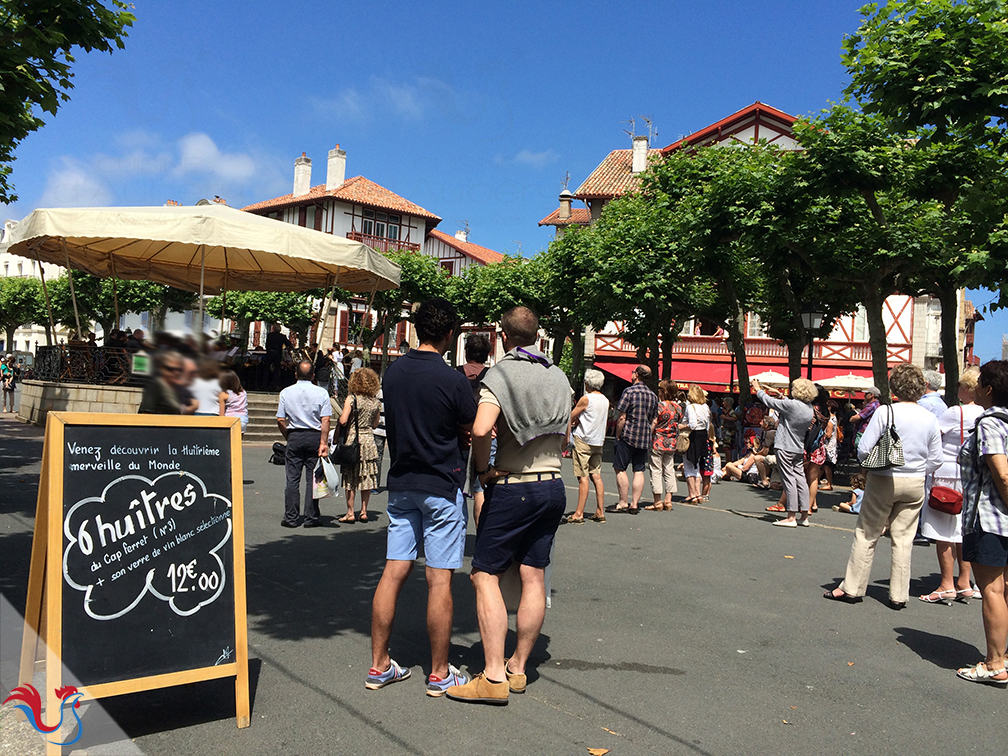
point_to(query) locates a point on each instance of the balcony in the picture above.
(382, 244)
(756, 348)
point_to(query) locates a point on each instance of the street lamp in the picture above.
(812, 318)
(730, 346)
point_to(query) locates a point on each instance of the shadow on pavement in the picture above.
(940, 650)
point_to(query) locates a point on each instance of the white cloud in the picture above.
(408, 100)
(536, 159)
(199, 154)
(74, 185)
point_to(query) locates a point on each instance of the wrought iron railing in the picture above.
(382, 244)
(103, 366)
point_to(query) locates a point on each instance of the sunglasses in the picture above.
(173, 369)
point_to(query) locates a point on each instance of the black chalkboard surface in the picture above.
(147, 551)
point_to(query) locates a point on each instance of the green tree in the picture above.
(36, 44)
(938, 63)
(246, 307)
(21, 304)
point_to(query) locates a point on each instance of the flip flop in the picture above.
(616, 508)
(572, 520)
(347, 518)
(363, 517)
(776, 508)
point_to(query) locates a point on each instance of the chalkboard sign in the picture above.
(139, 534)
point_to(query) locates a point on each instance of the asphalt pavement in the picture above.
(696, 631)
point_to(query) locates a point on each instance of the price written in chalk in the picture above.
(180, 573)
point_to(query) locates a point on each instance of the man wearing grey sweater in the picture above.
(528, 398)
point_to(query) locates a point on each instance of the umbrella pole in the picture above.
(360, 332)
(202, 269)
(115, 292)
(325, 312)
(73, 295)
(224, 297)
(48, 304)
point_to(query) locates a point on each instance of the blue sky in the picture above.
(473, 111)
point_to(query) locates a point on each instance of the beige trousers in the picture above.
(891, 501)
(663, 477)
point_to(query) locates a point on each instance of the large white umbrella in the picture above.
(207, 248)
(849, 382)
(772, 378)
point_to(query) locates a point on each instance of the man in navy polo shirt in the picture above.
(427, 406)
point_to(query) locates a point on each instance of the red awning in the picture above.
(713, 376)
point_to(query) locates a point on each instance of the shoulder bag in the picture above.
(945, 498)
(348, 455)
(888, 450)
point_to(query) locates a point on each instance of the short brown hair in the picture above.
(521, 326)
(906, 382)
(364, 382)
(666, 390)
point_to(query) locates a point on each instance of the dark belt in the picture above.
(528, 478)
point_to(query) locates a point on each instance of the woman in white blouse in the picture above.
(893, 496)
(945, 529)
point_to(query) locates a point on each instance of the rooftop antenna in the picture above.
(566, 181)
(632, 131)
(518, 242)
(652, 131)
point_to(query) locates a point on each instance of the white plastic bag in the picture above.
(325, 480)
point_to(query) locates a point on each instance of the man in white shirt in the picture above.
(303, 416)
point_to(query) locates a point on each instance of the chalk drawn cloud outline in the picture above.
(148, 586)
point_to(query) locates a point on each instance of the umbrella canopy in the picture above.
(849, 382)
(772, 378)
(170, 245)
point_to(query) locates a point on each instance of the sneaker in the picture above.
(436, 686)
(394, 673)
(516, 682)
(480, 690)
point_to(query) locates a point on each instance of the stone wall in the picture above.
(39, 397)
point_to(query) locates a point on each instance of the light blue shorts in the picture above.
(440, 522)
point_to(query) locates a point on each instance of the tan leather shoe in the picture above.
(516, 682)
(480, 690)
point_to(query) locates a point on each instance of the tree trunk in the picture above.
(667, 341)
(9, 344)
(158, 318)
(794, 355)
(652, 362)
(873, 300)
(558, 344)
(950, 342)
(48, 333)
(736, 331)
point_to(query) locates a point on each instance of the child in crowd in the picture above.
(853, 506)
(232, 399)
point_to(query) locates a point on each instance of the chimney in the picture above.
(640, 148)
(462, 235)
(566, 198)
(302, 175)
(336, 169)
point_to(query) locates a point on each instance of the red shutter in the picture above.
(318, 218)
(344, 319)
(303, 216)
(400, 333)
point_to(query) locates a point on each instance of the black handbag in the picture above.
(348, 455)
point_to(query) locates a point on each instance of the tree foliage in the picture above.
(21, 304)
(36, 52)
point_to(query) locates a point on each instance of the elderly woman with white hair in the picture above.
(586, 428)
(794, 419)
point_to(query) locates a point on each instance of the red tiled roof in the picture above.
(579, 217)
(612, 178)
(755, 112)
(357, 189)
(475, 251)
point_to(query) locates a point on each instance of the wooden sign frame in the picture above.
(44, 605)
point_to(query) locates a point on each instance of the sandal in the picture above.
(617, 508)
(776, 508)
(762, 486)
(979, 673)
(597, 518)
(843, 597)
(691, 501)
(667, 506)
(940, 597)
(654, 507)
(347, 518)
(964, 595)
(572, 520)
(362, 517)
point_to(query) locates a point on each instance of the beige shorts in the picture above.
(587, 459)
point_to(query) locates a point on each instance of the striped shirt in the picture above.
(983, 508)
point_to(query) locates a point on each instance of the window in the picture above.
(687, 328)
(393, 226)
(367, 226)
(20, 269)
(448, 266)
(309, 217)
(302, 216)
(755, 328)
(188, 318)
(861, 324)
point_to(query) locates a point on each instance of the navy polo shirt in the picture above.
(425, 403)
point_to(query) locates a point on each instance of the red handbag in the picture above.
(943, 498)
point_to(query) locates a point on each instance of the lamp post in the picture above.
(730, 346)
(812, 318)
